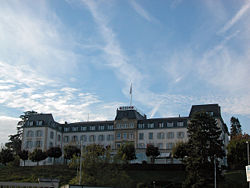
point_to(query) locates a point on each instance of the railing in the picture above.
(29, 185)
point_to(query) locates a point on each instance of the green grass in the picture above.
(233, 179)
(31, 174)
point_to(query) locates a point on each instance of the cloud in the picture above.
(7, 127)
(236, 18)
(142, 12)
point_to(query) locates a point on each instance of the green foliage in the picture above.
(203, 146)
(127, 152)
(180, 150)
(24, 155)
(152, 151)
(237, 151)
(54, 152)
(6, 156)
(70, 151)
(15, 143)
(235, 127)
(37, 155)
(98, 169)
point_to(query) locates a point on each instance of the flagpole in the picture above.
(130, 94)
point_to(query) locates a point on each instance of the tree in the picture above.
(16, 139)
(6, 155)
(98, 169)
(180, 150)
(152, 151)
(204, 146)
(237, 151)
(15, 143)
(127, 152)
(70, 151)
(54, 152)
(235, 127)
(24, 155)
(37, 155)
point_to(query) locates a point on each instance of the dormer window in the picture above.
(92, 128)
(170, 124)
(180, 124)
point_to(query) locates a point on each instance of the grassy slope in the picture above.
(31, 174)
(233, 179)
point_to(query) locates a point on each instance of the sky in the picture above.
(77, 59)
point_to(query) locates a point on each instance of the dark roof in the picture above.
(46, 118)
(129, 114)
(87, 123)
(215, 108)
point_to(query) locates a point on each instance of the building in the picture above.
(130, 125)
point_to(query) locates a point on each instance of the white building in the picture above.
(42, 131)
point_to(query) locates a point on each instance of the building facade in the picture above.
(42, 131)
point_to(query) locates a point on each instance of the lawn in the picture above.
(169, 178)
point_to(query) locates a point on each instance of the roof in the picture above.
(87, 123)
(215, 108)
(129, 114)
(46, 118)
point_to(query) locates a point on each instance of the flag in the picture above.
(130, 91)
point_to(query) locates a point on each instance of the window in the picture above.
(59, 137)
(140, 125)
(170, 135)
(83, 138)
(180, 134)
(74, 138)
(131, 135)
(118, 126)
(180, 124)
(39, 133)
(92, 128)
(101, 127)
(39, 144)
(66, 129)
(131, 125)
(51, 144)
(160, 145)
(170, 124)
(118, 136)
(28, 144)
(92, 138)
(74, 129)
(160, 135)
(30, 123)
(141, 145)
(110, 137)
(169, 145)
(101, 137)
(83, 128)
(141, 135)
(118, 145)
(51, 135)
(150, 135)
(39, 123)
(30, 134)
(151, 125)
(210, 113)
(110, 127)
(66, 139)
(124, 135)
(161, 125)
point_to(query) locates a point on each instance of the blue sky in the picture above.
(78, 57)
